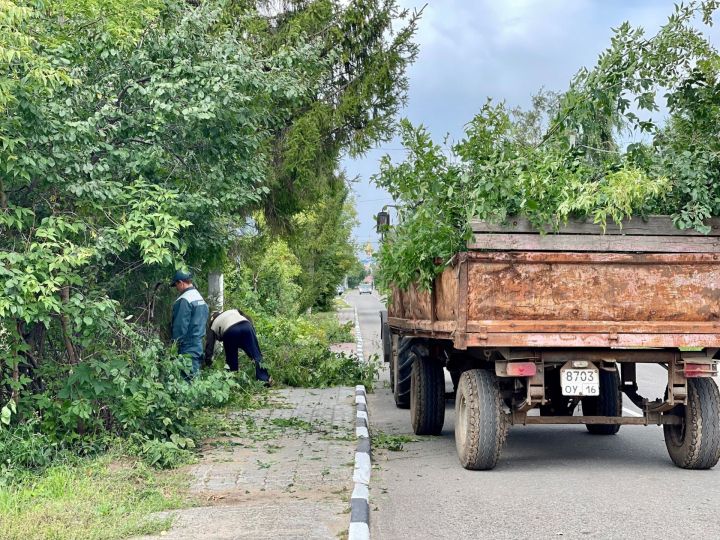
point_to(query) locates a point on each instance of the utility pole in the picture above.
(216, 290)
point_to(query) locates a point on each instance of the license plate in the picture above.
(580, 382)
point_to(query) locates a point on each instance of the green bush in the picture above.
(24, 447)
(135, 391)
(163, 454)
(266, 281)
(131, 387)
(297, 352)
(333, 330)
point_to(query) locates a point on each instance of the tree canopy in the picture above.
(144, 135)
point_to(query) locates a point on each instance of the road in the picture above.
(551, 481)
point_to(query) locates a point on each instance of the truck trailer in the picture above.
(540, 328)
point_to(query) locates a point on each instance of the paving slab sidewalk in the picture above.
(284, 473)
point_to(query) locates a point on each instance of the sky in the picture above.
(505, 49)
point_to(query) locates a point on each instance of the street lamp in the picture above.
(383, 219)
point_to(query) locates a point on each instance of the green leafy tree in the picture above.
(322, 242)
(137, 136)
(356, 274)
(134, 136)
(263, 278)
(365, 48)
(564, 158)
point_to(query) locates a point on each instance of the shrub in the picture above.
(334, 331)
(25, 447)
(164, 454)
(297, 352)
(137, 391)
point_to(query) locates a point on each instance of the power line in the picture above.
(367, 241)
(374, 200)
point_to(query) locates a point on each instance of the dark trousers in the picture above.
(242, 336)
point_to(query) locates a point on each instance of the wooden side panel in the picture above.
(646, 284)
(634, 289)
(395, 305)
(410, 304)
(446, 295)
(650, 226)
(595, 243)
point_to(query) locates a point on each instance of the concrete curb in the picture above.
(358, 338)
(359, 500)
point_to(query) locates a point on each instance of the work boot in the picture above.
(261, 373)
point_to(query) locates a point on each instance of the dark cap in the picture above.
(180, 275)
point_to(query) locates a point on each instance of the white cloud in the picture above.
(521, 22)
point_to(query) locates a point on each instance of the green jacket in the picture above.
(189, 318)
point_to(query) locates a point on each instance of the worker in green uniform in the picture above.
(189, 318)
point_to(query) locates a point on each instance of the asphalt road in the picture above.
(551, 481)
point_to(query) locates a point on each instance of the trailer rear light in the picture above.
(521, 369)
(700, 370)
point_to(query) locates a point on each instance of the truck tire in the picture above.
(427, 396)
(385, 337)
(695, 444)
(480, 423)
(608, 403)
(391, 368)
(402, 370)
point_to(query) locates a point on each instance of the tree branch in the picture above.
(127, 87)
(69, 347)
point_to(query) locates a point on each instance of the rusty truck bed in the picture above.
(645, 284)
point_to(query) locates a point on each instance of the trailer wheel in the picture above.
(385, 336)
(391, 367)
(427, 396)
(480, 423)
(402, 370)
(455, 377)
(608, 403)
(695, 443)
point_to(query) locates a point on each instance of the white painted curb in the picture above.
(358, 338)
(359, 501)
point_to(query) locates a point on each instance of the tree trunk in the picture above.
(3, 197)
(216, 290)
(69, 347)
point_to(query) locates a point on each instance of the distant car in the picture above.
(340, 289)
(364, 288)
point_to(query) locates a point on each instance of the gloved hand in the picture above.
(208, 360)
